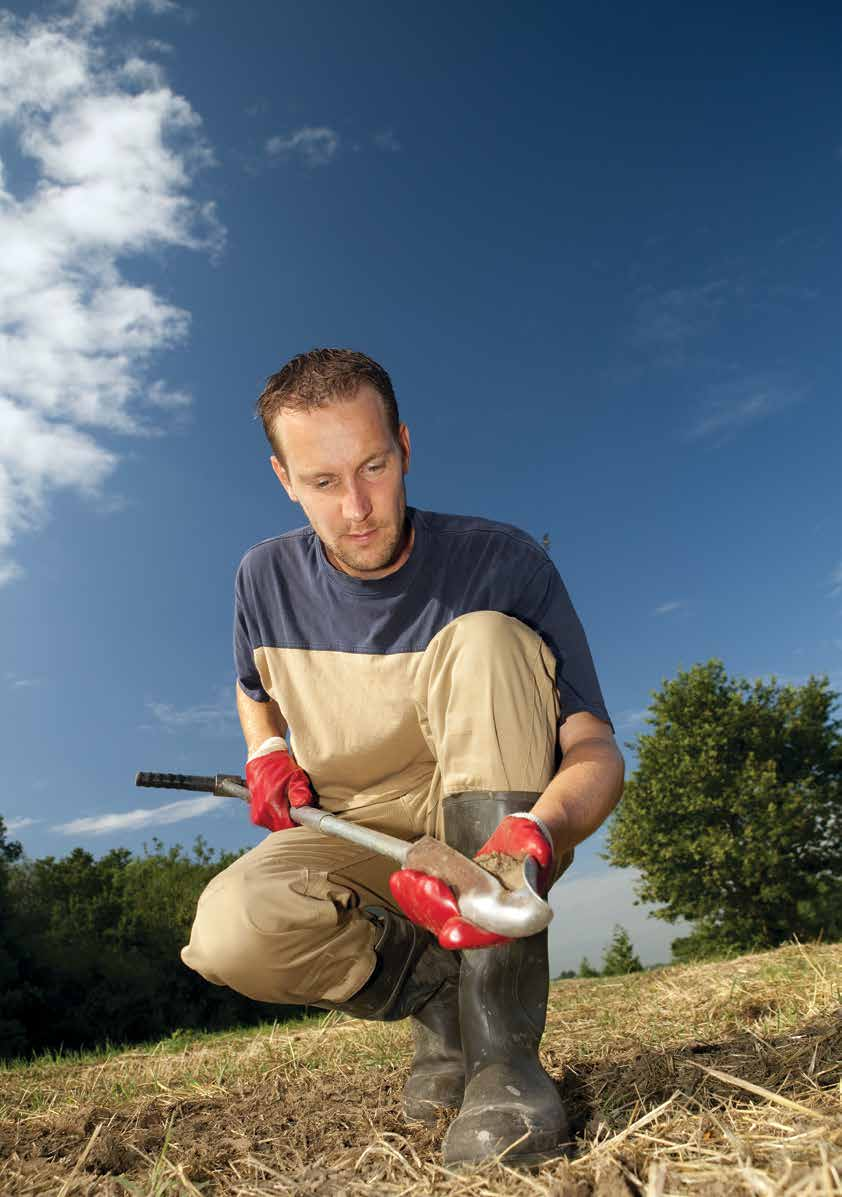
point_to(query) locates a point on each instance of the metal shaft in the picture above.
(319, 820)
(226, 785)
(480, 895)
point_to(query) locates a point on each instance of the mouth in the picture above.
(361, 537)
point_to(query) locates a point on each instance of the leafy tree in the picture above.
(586, 970)
(734, 814)
(94, 949)
(12, 1029)
(619, 957)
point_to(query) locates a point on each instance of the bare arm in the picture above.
(259, 720)
(588, 784)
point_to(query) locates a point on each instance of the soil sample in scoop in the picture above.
(507, 869)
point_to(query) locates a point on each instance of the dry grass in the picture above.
(718, 1079)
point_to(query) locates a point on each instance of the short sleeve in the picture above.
(245, 642)
(547, 608)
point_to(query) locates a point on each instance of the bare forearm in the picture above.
(259, 720)
(582, 794)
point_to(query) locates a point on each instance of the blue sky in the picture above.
(597, 248)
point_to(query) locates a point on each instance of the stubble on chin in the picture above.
(363, 563)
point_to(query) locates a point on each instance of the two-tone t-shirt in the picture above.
(339, 654)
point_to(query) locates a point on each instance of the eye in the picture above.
(322, 484)
(377, 467)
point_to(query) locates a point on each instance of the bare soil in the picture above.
(719, 1080)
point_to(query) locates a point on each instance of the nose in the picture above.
(356, 505)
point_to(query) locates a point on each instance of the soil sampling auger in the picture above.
(514, 909)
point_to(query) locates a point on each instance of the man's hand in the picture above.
(431, 903)
(276, 783)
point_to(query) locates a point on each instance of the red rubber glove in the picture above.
(520, 837)
(431, 903)
(276, 783)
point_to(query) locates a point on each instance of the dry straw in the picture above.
(718, 1080)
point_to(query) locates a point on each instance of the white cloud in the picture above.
(629, 720)
(142, 73)
(665, 608)
(41, 65)
(133, 820)
(729, 408)
(317, 145)
(160, 395)
(156, 46)
(115, 151)
(218, 716)
(22, 682)
(36, 455)
(93, 13)
(665, 321)
(10, 571)
(20, 824)
(669, 326)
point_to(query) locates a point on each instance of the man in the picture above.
(435, 679)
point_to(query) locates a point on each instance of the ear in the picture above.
(283, 478)
(405, 447)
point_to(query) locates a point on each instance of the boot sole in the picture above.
(550, 1143)
(533, 1159)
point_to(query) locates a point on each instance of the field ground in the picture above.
(719, 1079)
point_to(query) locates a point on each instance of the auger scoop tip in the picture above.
(481, 895)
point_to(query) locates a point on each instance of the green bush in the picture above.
(89, 950)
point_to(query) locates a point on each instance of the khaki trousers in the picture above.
(285, 923)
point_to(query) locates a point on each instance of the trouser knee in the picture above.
(290, 936)
(487, 704)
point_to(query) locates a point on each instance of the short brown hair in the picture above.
(318, 378)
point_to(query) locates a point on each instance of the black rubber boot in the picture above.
(411, 969)
(510, 1101)
(415, 977)
(437, 1077)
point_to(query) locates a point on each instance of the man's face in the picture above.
(344, 468)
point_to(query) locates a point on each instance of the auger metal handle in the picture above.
(482, 898)
(228, 785)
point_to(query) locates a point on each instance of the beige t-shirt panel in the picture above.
(356, 728)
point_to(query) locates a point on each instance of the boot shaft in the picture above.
(469, 819)
(503, 990)
(511, 1105)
